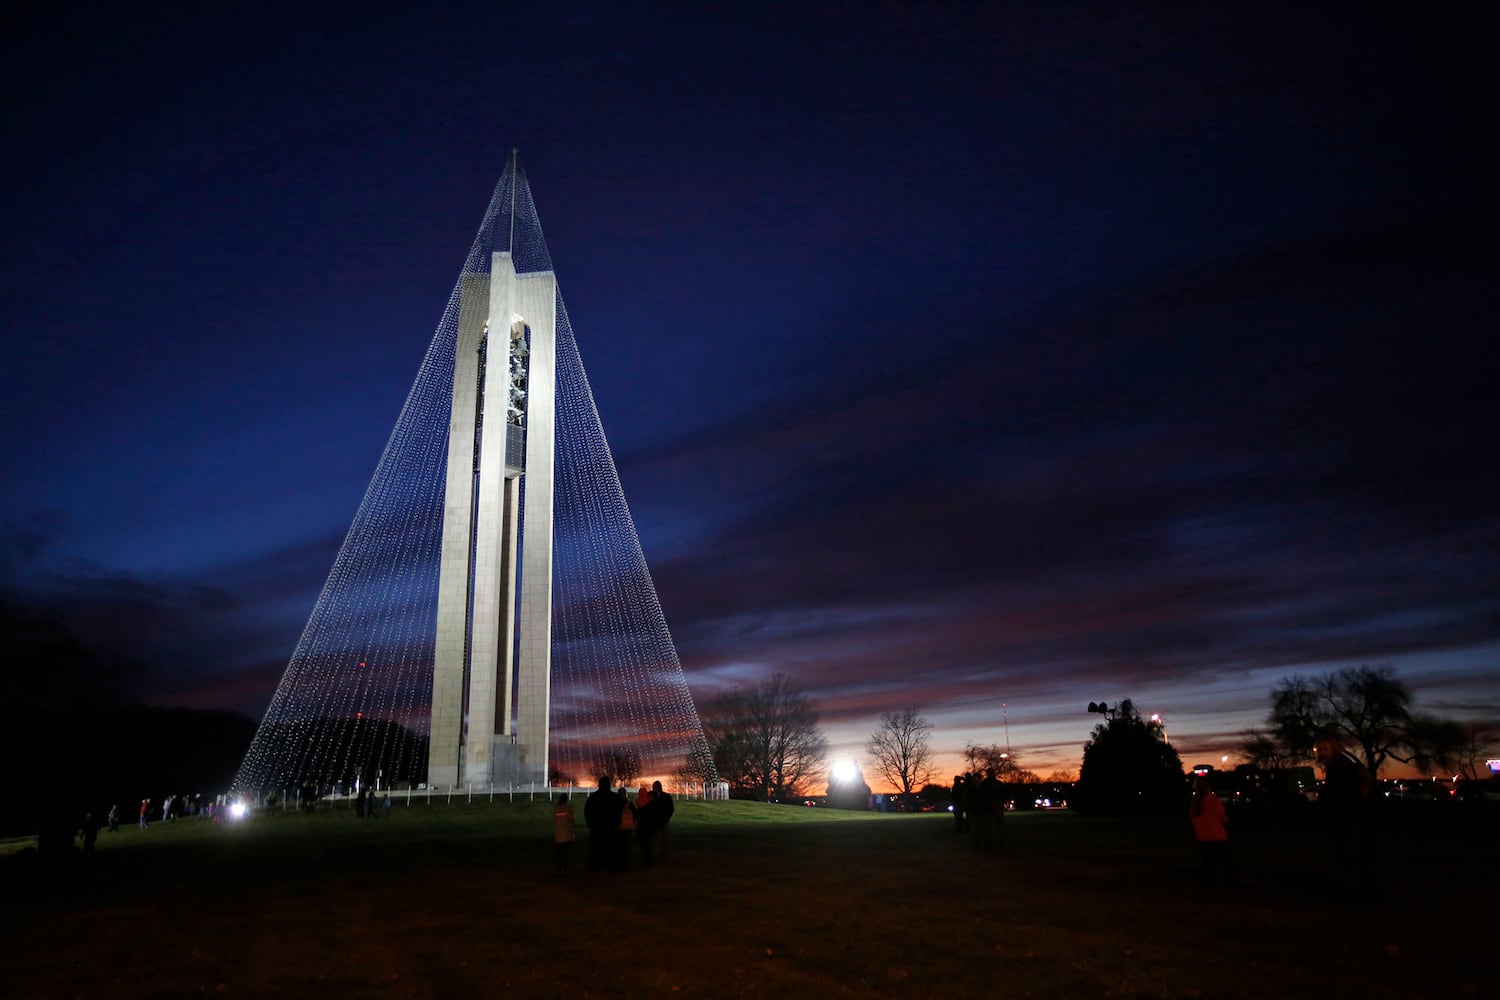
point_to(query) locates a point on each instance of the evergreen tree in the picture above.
(1129, 768)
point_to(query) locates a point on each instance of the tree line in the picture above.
(1367, 712)
(766, 742)
(1370, 712)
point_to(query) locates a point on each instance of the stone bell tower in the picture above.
(494, 610)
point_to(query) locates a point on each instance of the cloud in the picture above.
(203, 644)
(1230, 468)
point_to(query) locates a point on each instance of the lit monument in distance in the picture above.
(494, 611)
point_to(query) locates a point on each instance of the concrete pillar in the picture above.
(446, 732)
(489, 665)
(536, 301)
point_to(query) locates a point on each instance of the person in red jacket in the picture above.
(1211, 827)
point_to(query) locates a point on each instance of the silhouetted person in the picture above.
(562, 831)
(974, 815)
(1341, 816)
(359, 805)
(987, 804)
(90, 833)
(601, 814)
(114, 818)
(1211, 828)
(960, 798)
(627, 832)
(651, 822)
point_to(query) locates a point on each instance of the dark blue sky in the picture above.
(950, 354)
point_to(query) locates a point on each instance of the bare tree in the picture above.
(1434, 744)
(1261, 748)
(991, 757)
(1366, 708)
(1477, 746)
(697, 768)
(623, 764)
(899, 747)
(766, 742)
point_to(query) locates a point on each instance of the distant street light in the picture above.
(1157, 720)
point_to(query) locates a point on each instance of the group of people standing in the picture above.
(979, 807)
(172, 806)
(613, 821)
(365, 803)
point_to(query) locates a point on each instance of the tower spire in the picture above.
(513, 180)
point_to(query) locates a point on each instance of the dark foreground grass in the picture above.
(462, 900)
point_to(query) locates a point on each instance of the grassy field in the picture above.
(462, 900)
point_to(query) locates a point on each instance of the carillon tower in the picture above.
(494, 609)
(493, 555)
